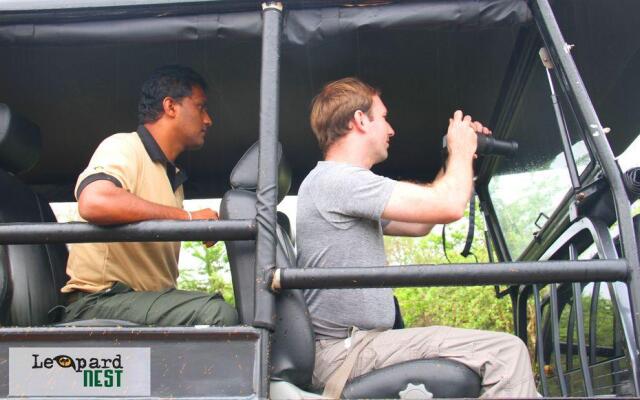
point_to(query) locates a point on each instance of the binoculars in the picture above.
(489, 146)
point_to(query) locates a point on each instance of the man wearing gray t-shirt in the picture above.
(344, 210)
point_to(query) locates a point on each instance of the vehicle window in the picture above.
(526, 189)
(524, 200)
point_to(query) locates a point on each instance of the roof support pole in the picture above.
(267, 192)
(569, 78)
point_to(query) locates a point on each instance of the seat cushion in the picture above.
(443, 378)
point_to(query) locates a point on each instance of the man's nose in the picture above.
(207, 120)
(391, 131)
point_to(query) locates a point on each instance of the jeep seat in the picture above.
(293, 347)
(30, 275)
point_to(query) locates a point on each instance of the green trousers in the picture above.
(171, 307)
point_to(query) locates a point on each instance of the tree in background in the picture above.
(212, 275)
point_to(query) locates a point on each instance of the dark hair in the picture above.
(175, 81)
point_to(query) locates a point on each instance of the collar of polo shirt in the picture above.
(176, 176)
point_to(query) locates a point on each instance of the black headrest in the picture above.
(245, 173)
(20, 143)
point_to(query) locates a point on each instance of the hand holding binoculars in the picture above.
(489, 146)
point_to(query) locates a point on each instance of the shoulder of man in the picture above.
(338, 183)
(335, 173)
(122, 138)
(125, 145)
(115, 159)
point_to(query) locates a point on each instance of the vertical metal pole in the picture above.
(540, 341)
(555, 335)
(570, 328)
(267, 192)
(593, 319)
(618, 338)
(501, 248)
(564, 134)
(571, 81)
(582, 345)
(521, 297)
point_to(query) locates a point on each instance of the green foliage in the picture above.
(604, 323)
(474, 307)
(518, 214)
(464, 307)
(428, 249)
(212, 274)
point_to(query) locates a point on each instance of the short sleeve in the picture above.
(347, 192)
(116, 160)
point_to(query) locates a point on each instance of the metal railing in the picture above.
(147, 231)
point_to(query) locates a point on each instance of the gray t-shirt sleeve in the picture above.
(347, 193)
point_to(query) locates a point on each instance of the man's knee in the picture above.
(218, 312)
(229, 315)
(516, 349)
(516, 343)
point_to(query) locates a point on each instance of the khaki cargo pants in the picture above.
(501, 359)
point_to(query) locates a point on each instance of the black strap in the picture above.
(470, 233)
(472, 225)
(444, 243)
(399, 321)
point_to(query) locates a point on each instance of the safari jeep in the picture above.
(559, 78)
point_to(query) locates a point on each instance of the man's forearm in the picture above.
(456, 183)
(105, 204)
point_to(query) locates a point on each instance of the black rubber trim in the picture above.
(176, 177)
(100, 176)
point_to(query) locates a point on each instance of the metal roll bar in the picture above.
(147, 231)
(451, 274)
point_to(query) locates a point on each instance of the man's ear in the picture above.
(358, 120)
(169, 106)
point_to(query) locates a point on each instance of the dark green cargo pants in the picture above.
(171, 307)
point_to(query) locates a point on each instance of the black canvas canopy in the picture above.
(75, 68)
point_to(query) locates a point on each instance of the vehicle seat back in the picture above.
(31, 275)
(293, 346)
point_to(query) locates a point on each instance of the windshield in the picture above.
(527, 188)
(525, 195)
(525, 199)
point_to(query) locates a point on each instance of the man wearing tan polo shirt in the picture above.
(132, 177)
